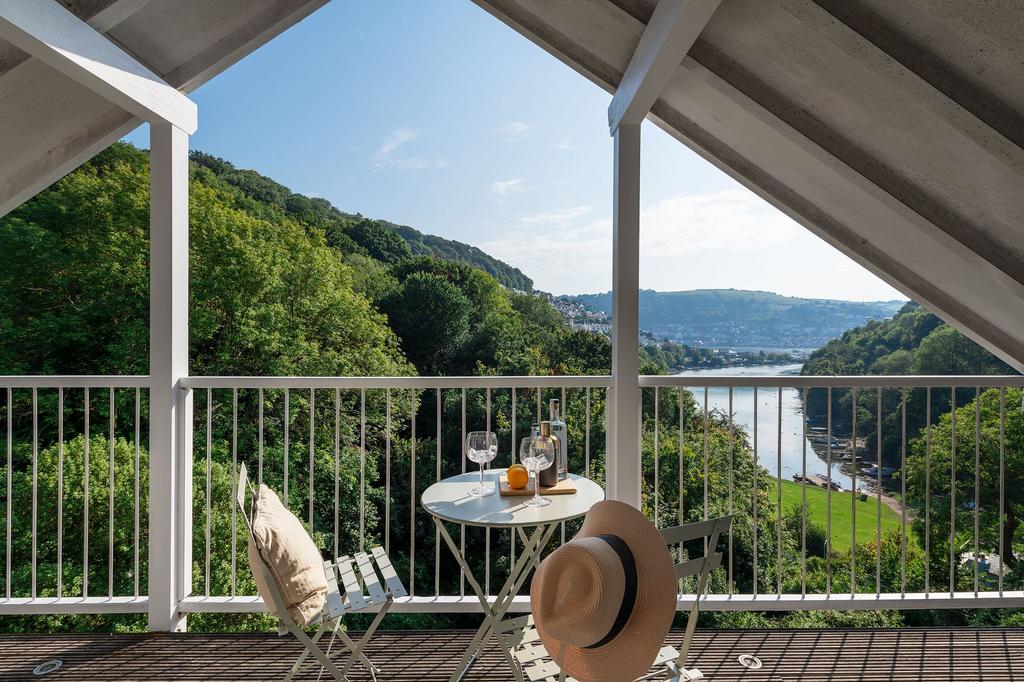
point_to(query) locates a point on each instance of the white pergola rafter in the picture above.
(56, 37)
(669, 35)
(671, 32)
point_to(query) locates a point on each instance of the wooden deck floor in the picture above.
(905, 654)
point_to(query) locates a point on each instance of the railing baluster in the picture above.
(137, 511)
(803, 495)
(60, 492)
(10, 478)
(462, 527)
(412, 494)
(312, 457)
(387, 474)
(35, 485)
(209, 483)
(657, 453)
(878, 495)
(928, 489)
(337, 472)
(110, 502)
(828, 493)
(287, 442)
(437, 477)
(977, 480)
(586, 444)
(85, 500)
(362, 469)
(487, 531)
(754, 494)
(731, 442)
(682, 463)
(853, 499)
(259, 447)
(903, 492)
(706, 435)
(1002, 480)
(512, 460)
(952, 493)
(705, 517)
(778, 507)
(234, 492)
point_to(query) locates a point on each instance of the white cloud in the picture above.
(385, 157)
(556, 217)
(516, 130)
(728, 222)
(505, 187)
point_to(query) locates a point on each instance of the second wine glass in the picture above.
(537, 453)
(481, 447)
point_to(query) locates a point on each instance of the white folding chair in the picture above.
(522, 639)
(366, 580)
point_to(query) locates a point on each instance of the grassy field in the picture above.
(817, 506)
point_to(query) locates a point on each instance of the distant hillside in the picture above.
(346, 227)
(726, 318)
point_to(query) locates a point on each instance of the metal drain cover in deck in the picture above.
(47, 667)
(750, 661)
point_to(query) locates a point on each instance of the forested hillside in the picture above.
(368, 234)
(914, 341)
(724, 318)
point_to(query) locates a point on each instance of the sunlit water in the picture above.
(793, 441)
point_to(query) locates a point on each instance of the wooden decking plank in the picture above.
(912, 654)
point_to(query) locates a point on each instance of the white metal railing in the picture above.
(409, 413)
(42, 572)
(352, 454)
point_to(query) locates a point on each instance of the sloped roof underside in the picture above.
(893, 130)
(51, 124)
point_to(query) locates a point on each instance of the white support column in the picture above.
(170, 454)
(623, 469)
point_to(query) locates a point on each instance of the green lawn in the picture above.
(817, 510)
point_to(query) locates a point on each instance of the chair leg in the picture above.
(305, 652)
(357, 652)
(312, 648)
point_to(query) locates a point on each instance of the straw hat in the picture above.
(603, 603)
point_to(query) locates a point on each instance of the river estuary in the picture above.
(793, 441)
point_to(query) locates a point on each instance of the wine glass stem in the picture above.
(481, 475)
(536, 487)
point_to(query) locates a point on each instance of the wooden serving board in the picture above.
(564, 487)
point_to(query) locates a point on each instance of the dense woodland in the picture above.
(281, 284)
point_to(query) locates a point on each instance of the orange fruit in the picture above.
(518, 476)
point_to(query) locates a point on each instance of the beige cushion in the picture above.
(293, 559)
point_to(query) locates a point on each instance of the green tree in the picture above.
(431, 316)
(933, 456)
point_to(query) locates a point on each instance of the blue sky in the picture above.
(438, 116)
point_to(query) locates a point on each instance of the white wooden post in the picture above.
(170, 453)
(623, 470)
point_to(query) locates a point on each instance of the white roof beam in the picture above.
(669, 35)
(58, 38)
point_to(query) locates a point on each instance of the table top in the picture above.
(450, 500)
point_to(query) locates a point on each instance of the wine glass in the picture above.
(481, 447)
(537, 453)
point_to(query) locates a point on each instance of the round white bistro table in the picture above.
(449, 500)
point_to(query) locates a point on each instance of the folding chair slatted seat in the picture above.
(521, 637)
(347, 578)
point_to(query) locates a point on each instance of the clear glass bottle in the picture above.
(560, 430)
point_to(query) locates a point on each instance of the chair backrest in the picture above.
(709, 531)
